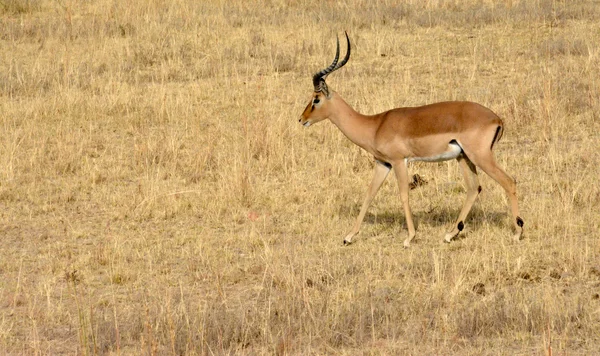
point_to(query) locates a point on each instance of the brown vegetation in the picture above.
(157, 195)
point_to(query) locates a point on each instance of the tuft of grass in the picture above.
(564, 46)
(17, 7)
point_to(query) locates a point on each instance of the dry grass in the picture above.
(157, 195)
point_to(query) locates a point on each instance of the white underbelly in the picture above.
(452, 152)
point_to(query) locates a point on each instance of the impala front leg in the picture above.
(381, 171)
(401, 171)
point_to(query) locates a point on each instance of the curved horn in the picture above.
(347, 57)
(319, 78)
(321, 75)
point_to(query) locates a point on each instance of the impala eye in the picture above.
(316, 101)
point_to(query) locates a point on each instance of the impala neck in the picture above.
(359, 128)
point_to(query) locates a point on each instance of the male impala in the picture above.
(459, 130)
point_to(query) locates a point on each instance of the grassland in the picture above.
(157, 195)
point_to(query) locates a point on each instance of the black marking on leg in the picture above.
(479, 189)
(460, 226)
(519, 222)
(388, 165)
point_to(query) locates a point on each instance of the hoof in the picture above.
(348, 238)
(450, 236)
(406, 243)
(517, 237)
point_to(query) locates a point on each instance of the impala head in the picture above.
(318, 108)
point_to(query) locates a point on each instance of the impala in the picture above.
(459, 130)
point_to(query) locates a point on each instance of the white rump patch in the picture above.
(454, 150)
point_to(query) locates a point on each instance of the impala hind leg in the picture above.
(381, 171)
(469, 172)
(401, 171)
(488, 164)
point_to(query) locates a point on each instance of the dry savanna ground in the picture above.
(158, 196)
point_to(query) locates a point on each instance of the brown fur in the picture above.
(420, 132)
